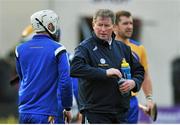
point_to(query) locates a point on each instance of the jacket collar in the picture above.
(41, 36)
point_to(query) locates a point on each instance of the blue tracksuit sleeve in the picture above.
(75, 88)
(18, 68)
(65, 82)
(80, 66)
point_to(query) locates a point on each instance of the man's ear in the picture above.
(115, 28)
(93, 24)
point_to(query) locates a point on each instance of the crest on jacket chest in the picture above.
(103, 63)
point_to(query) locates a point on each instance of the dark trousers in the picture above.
(104, 118)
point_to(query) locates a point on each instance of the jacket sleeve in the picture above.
(137, 73)
(80, 66)
(65, 83)
(18, 68)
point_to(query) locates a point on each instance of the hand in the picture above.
(67, 116)
(151, 112)
(127, 86)
(113, 73)
(79, 118)
(149, 105)
(51, 119)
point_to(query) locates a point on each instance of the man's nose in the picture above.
(130, 26)
(103, 28)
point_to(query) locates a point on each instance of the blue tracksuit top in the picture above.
(44, 72)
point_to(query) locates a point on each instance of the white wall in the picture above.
(14, 17)
(161, 24)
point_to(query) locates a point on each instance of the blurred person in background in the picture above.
(8, 95)
(96, 64)
(123, 30)
(77, 118)
(43, 69)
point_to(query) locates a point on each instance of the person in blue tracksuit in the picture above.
(96, 64)
(78, 116)
(44, 72)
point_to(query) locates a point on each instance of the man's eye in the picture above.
(107, 25)
(100, 25)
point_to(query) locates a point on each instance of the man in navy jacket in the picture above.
(97, 64)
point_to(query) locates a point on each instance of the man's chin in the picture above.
(104, 38)
(128, 35)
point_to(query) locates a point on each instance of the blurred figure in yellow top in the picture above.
(123, 30)
(27, 33)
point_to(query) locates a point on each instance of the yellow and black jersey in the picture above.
(139, 52)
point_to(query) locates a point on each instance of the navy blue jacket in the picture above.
(97, 92)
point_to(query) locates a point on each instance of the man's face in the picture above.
(125, 27)
(103, 28)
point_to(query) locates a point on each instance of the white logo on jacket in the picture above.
(95, 48)
(102, 61)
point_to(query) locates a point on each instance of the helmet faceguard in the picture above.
(48, 21)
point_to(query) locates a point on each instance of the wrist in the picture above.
(149, 97)
(134, 84)
(67, 109)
